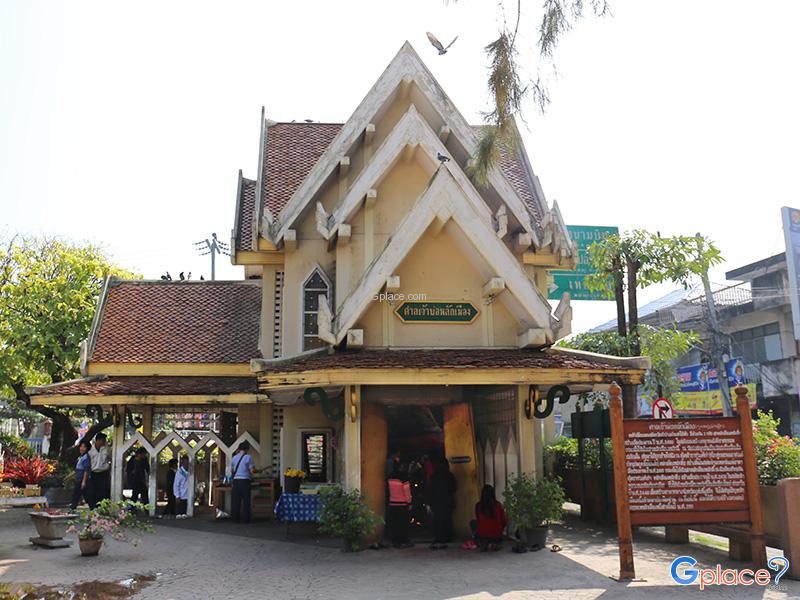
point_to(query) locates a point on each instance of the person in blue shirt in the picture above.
(242, 471)
(180, 487)
(83, 470)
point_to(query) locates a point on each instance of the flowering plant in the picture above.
(116, 519)
(29, 470)
(777, 457)
(294, 473)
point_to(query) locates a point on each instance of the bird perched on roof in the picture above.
(442, 158)
(438, 45)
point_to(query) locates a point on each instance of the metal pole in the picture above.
(716, 346)
(213, 268)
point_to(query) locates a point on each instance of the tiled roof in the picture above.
(179, 321)
(247, 208)
(468, 358)
(292, 149)
(114, 386)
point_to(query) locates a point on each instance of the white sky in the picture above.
(126, 124)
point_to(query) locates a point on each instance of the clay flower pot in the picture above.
(90, 546)
(292, 484)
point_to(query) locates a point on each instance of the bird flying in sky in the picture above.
(438, 45)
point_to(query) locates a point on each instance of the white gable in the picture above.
(406, 68)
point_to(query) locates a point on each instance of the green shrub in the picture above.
(777, 457)
(564, 454)
(532, 503)
(345, 515)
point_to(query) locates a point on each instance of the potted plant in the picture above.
(28, 473)
(344, 514)
(532, 506)
(51, 525)
(115, 519)
(292, 478)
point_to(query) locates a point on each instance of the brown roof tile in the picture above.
(292, 149)
(113, 386)
(468, 358)
(179, 321)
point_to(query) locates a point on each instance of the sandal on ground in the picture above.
(555, 548)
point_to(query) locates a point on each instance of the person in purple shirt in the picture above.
(83, 469)
(242, 471)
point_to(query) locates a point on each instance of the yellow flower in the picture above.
(294, 473)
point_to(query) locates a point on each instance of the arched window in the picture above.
(315, 286)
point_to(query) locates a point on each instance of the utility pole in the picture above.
(213, 248)
(716, 338)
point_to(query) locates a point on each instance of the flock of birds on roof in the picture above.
(181, 276)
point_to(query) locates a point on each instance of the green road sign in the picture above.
(436, 312)
(573, 281)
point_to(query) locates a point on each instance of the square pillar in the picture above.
(147, 423)
(352, 437)
(525, 434)
(117, 456)
(265, 435)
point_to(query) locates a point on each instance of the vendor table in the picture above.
(297, 508)
(262, 493)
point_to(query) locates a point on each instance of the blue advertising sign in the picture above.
(700, 393)
(703, 377)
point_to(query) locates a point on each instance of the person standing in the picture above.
(172, 468)
(242, 471)
(181, 487)
(399, 507)
(140, 477)
(83, 468)
(441, 498)
(100, 483)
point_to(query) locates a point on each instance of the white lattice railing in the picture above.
(153, 450)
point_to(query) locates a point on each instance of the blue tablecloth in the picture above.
(298, 507)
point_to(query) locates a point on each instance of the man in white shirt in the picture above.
(100, 457)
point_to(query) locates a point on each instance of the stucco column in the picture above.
(525, 434)
(549, 428)
(788, 501)
(265, 435)
(352, 437)
(117, 457)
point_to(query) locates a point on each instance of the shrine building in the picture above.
(390, 309)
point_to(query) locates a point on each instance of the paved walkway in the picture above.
(220, 560)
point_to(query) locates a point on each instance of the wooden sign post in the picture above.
(683, 472)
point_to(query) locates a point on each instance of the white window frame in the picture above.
(324, 275)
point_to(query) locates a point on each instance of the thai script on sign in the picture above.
(686, 465)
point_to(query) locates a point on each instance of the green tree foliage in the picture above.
(637, 259)
(662, 345)
(508, 86)
(48, 293)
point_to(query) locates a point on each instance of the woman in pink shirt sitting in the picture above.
(399, 507)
